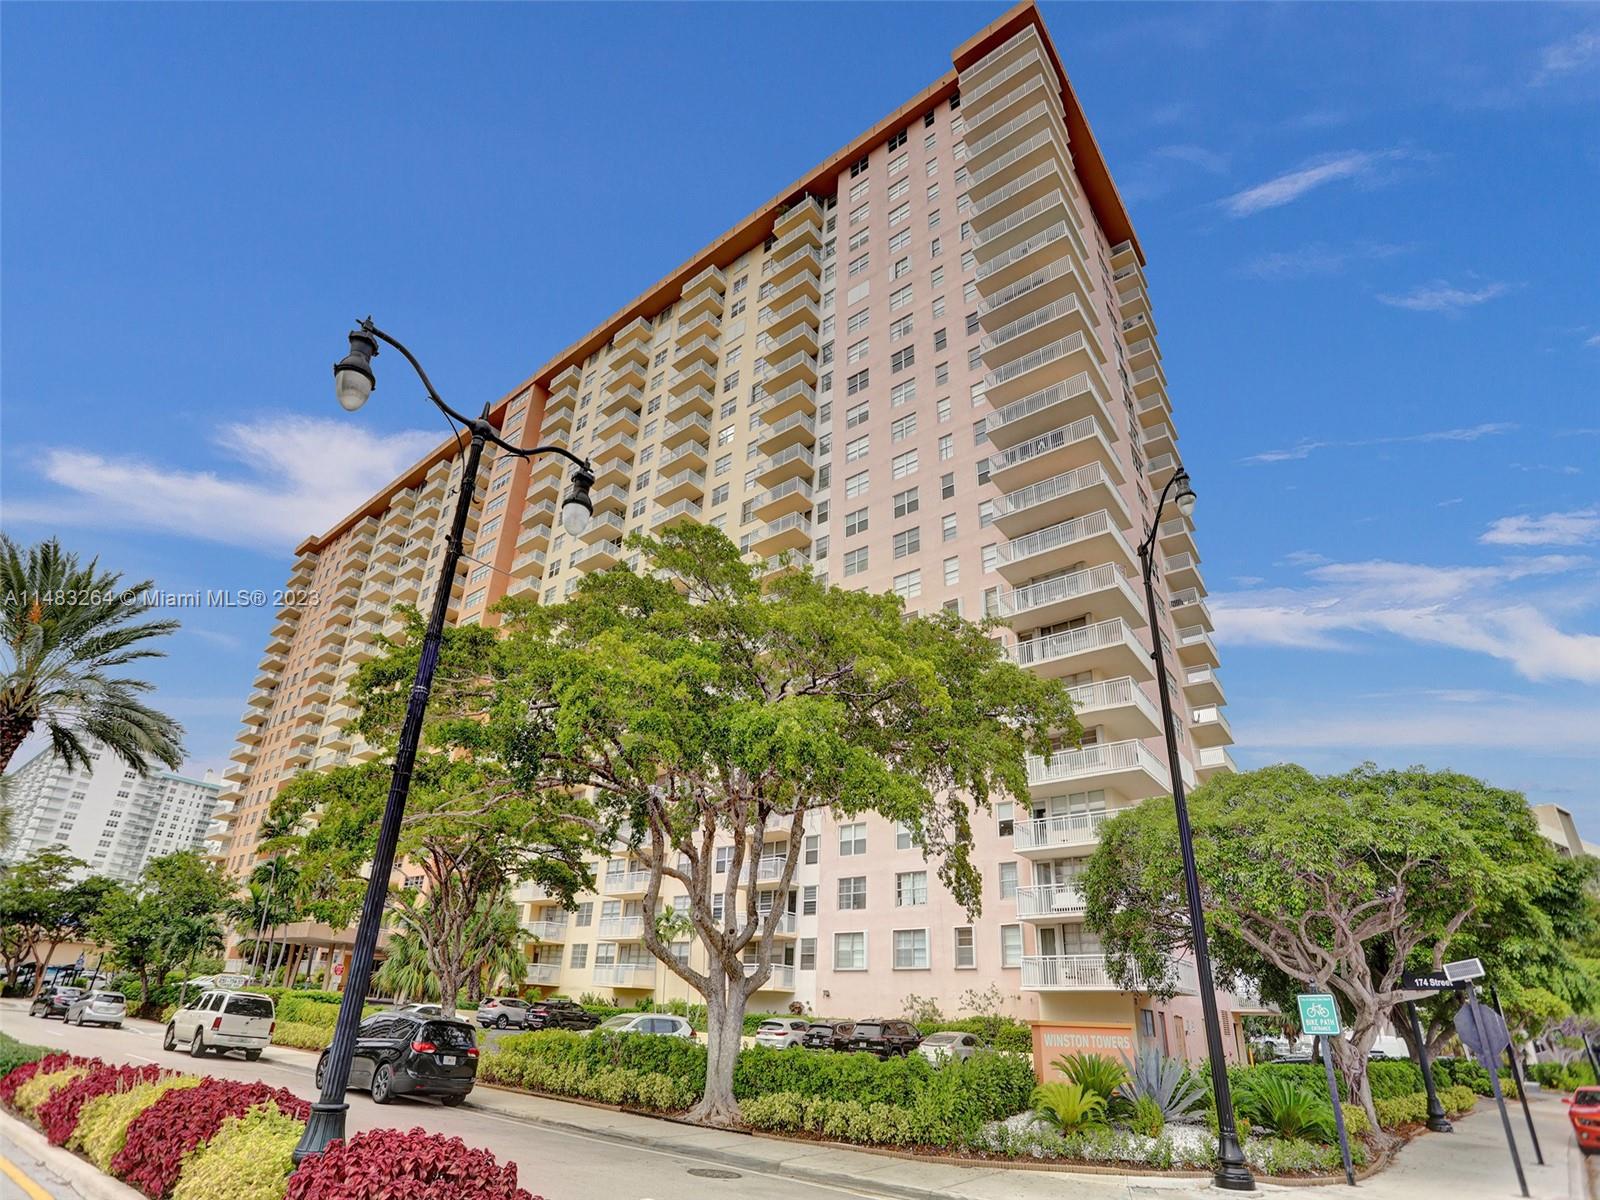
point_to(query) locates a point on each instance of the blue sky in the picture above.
(1373, 253)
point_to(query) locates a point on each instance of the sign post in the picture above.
(1484, 1033)
(1516, 1075)
(1319, 1016)
(1424, 982)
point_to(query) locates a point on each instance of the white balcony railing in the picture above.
(1099, 636)
(626, 928)
(544, 974)
(1051, 900)
(781, 978)
(627, 975)
(1058, 832)
(1085, 762)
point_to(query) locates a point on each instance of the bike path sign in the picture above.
(1319, 1015)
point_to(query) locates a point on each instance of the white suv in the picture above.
(221, 1021)
(664, 1024)
(780, 1033)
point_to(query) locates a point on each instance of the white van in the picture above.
(220, 1021)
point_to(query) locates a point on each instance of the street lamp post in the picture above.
(1232, 1172)
(353, 383)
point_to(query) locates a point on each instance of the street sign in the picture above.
(1425, 981)
(81, 961)
(229, 982)
(1319, 1015)
(1483, 1031)
(1464, 969)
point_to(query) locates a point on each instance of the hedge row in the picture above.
(181, 1137)
(1389, 1079)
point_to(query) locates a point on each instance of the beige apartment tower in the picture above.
(929, 366)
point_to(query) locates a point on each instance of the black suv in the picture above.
(559, 1014)
(828, 1035)
(409, 1054)
(54, 1002)
(884, 1038)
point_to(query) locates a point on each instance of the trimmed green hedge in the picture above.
(14, 1053)
(1000, 1033)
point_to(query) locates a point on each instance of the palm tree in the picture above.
(497, 936)
(65, 628)
(404, 973)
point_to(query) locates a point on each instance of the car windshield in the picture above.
(618, 1022)
(1586, 1096)
(70, 992)
(250, 1006)
(869, 1029)
(109, 997)
(447, 1033)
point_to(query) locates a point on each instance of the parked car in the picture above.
(662, 1023)
(53, 1002)
(947, 1044)
(411, 1054)
(560, 1014)
(783, 1033)
(219, 1021)
(421, 1010)
(98, 1008)
(829, 1035)
(884, 1038)
(503, 1012)
(1584, 1112)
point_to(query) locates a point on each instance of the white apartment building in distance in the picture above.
(109, 815)
(927, 366)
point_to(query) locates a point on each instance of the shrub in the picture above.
(14, 1054)
(179, 1121)
(12, 1083)
(1001, 1033)
(1395, 1111)
(1458, 1100)
(44, 1085)
(1286, 1107)
(1466, 1072)
(1295, 1156)
(1093, 1072)
(1355, 1120)
(103, 1123)
(300, 1036)
(248, 1158)
(58, 1116)
(1147, 1117)
(416, 1165)
(1068, 1107)
(1166, 1083)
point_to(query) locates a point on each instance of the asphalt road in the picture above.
(550, 1163)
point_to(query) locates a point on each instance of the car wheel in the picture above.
(452, 1101)
(169, 1040)
(500, 1022)
(197, 1048)
(322, 1070)
(118, 1025)
(251, 1055)
(382, 1085)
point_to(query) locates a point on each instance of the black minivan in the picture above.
(411, 1054)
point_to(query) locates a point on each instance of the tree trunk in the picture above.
(1350, 1057)
(725, 1005)
(14, 731)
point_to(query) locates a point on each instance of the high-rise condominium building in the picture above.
(928, 366)
(109, 815)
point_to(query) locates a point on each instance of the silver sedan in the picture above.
(98, 1008)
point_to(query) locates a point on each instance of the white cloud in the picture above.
(1318, 259)
(1195, 156)
(1318, 172)
(1573, 528)
(290, 476)
(1570, 54)
(1305, 449)
(1495, 611)
(1592, 342)
(1440, 296)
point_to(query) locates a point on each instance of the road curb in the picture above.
(82, 1176)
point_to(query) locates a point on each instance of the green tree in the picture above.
(1337, 882)
(170, 917)
(67, 627)
(42, 905)
(702, 709)
(470, 830)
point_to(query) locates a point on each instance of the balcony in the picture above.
(798, 337)
(690, 455)
(1143, 353)
(1157, 438)
(615, 468)
(775, 319)
(1208, 727)
(1044, 114)
(1196, 649)
(687, 510)
(704, 349)
(1118, 707)
(1061, 358)
(1190, 611)
(698, 374)
(1051, 902)
(780, 978)
(600, 556)
(1160, 469)
(799, 367)
(557, 419)
(1134, 301)
(1087, 973)
(603, 528)
(543, 974)
(529, 566)
(797, 429)
(693, 426)
(704, 321)
(696, 400)
(1177, 536)
(1154, 409)
(626, 975)
(1099, 593)
(1055, 452)
(1201, 686)
(1044, 146)
(1215, 760)
(623, 376)
(1183, 572)
(622, 929)
(626, 883)
(685, 485)
(1090, 538)
(1063, 403)
(1034, 330)
(709, 279)
(792, 532)
(788, 924)
(611, 499)
(1053, 500)
(804, 259)
(535, 536)
(795, 235)
(1107, 647)
(786, 464)
(804, 211)
(791, 496)
(781, 403)
(546, 931)
(1055, 280)
(636, 331)
(1128, 767)
(1027, 87)
(989, 76)
(620, 418)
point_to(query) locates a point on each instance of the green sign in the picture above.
(1319, 1016)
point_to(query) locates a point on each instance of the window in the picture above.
(580, 957)
(1011, 945)
(909, 585)
(856, 414)
(952, 572)
(855, 522)
(900, 298)
(902, 187)
(852, 893)
(808, 954)
(905, 503)
(903, 427)
(904, 464)
(908, 541)
(725, 434)
(901, 359)
(903, 392)
(947, 447)
(947, 486)
(858, 320)
(812, 843)
(947, 526)
(910, 889)
(859, 265)
(808, 900)
(1008, 880)
(860, 214)
(855, 561)
(899, 215)
(852, 839)
(856, 448)
(859, 188)
(901, 268)
(724, 465)
(910, 949)
(849, 952)
(985, 514)
(966, 948)
(724, 858)
(899, 241)
(897, 166)
(900, 330)
(991, 557)
(585, 914)
(858, 350)
(933, 219)
(896, 141)
(856, 485)
(719, 494)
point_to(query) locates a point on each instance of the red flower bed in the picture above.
(387, 1164)
(59, 1115)
(20, 1076)
(178, 1122)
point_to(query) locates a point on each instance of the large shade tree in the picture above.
(67, 628)
(45, 901)
(171, 916)
(706, 713)
(1335, 883)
